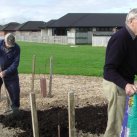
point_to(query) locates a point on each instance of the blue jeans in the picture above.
(13, 88)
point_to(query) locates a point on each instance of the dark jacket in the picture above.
(121, 59)
(9, 59)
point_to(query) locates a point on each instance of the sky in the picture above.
(44, 10)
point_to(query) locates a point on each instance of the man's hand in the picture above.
(130, 89)
(2, 74)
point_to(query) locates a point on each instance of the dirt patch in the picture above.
(91, 107)
(90, 119)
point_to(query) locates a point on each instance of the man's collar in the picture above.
(5, 48)
(130, 32)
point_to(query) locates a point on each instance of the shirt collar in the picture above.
(131, 32)
(4, 48)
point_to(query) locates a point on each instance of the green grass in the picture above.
(81, 60)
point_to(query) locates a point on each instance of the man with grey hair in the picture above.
(119, 72)
(9, 61)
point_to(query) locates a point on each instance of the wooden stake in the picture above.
(0, 94)
(58, 130)
(50, 80)
(58, 124)
(43, 87)
(71, 114)
(33, 72)
(34, 115)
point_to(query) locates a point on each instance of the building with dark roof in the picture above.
(29, 31)
(31, 26)
(81, 27)
(8, 28)
(84, 22)
(89, 20)
(73, 28)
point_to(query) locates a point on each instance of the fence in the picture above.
(55, 39)
(78, 38)
(100, 40)
(44, 39)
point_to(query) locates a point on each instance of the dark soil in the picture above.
(91, 119)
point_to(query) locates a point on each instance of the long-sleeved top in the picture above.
(121, 58)
(9, 59)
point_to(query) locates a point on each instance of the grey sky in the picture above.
(45, 10)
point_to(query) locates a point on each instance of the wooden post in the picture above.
(43, 87)
(34, 115)
(33, 72)
(71, 114)
(50, 79)
(0, 94)
(58, 124)
(58, 130)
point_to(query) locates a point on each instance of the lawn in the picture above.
(81, 60)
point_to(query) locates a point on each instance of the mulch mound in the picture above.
(91, 119)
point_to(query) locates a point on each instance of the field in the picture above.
(68, 60)
(76, 75)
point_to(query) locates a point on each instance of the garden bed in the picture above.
(91, 108)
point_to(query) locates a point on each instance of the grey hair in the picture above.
(131, 15)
